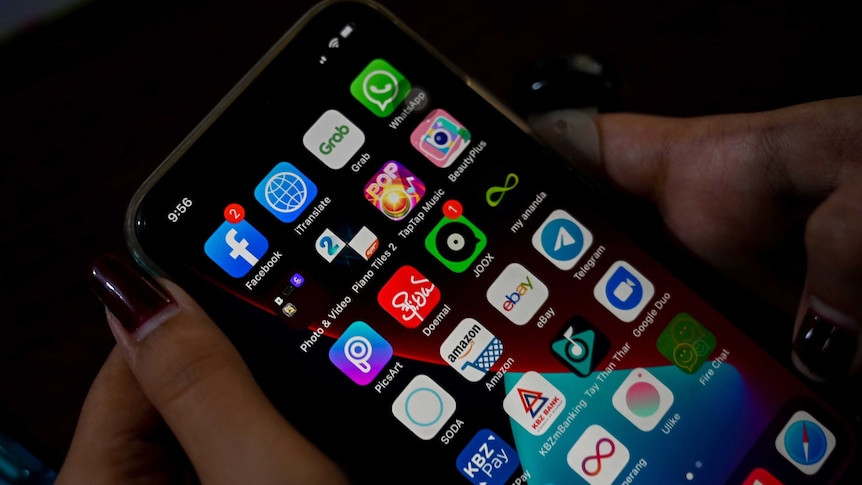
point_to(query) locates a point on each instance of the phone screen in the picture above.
(432, 297)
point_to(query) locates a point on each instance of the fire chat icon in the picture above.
(686, 343)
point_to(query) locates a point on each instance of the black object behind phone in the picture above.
(433, 297)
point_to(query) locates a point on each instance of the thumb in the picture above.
(827, 339)
(573, 133)
(200, 385)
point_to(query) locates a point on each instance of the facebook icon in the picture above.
(236, 247)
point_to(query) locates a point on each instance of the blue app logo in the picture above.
(562, 239)
(285, 192)
(236, 248)
(805, 442)
(487, 459)
(624, 291)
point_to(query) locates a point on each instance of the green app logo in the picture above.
(580, 346)
(456, 243)
(686, 343)
(380, 87)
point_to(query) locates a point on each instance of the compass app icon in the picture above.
(805, 442)
(562, 239)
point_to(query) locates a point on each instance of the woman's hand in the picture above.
(175, 403)
(764, 197)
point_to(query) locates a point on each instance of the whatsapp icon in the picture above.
(380, 87)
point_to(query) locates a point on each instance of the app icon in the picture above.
(487, 459)
(360, 352)
(686, 343)
(328, 245)
(380, 87)
(408, 296)
(365, 243)
(456, 243)
(759, 476)
(642, 399)
(289, 310)
(805, 442)
(285, 192)
(440, 137)
(471, 349)
(297, 280)
(624, 291)
(236, 247)
(580, 346)
(394, 190)
(562, 239)
(333, 139)
(534, 403)
(598, 457)
(424, 407)
(495, 193)
(517, 294)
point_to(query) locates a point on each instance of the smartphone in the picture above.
(432, 296)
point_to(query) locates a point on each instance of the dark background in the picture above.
(91, 102)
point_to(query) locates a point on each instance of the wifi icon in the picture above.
(333, 43)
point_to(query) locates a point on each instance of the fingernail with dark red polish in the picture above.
(136, 299)
(824, 345)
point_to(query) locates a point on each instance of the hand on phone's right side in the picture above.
(764, 197)
(174, 393)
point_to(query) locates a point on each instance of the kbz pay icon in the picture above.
(487, 459)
